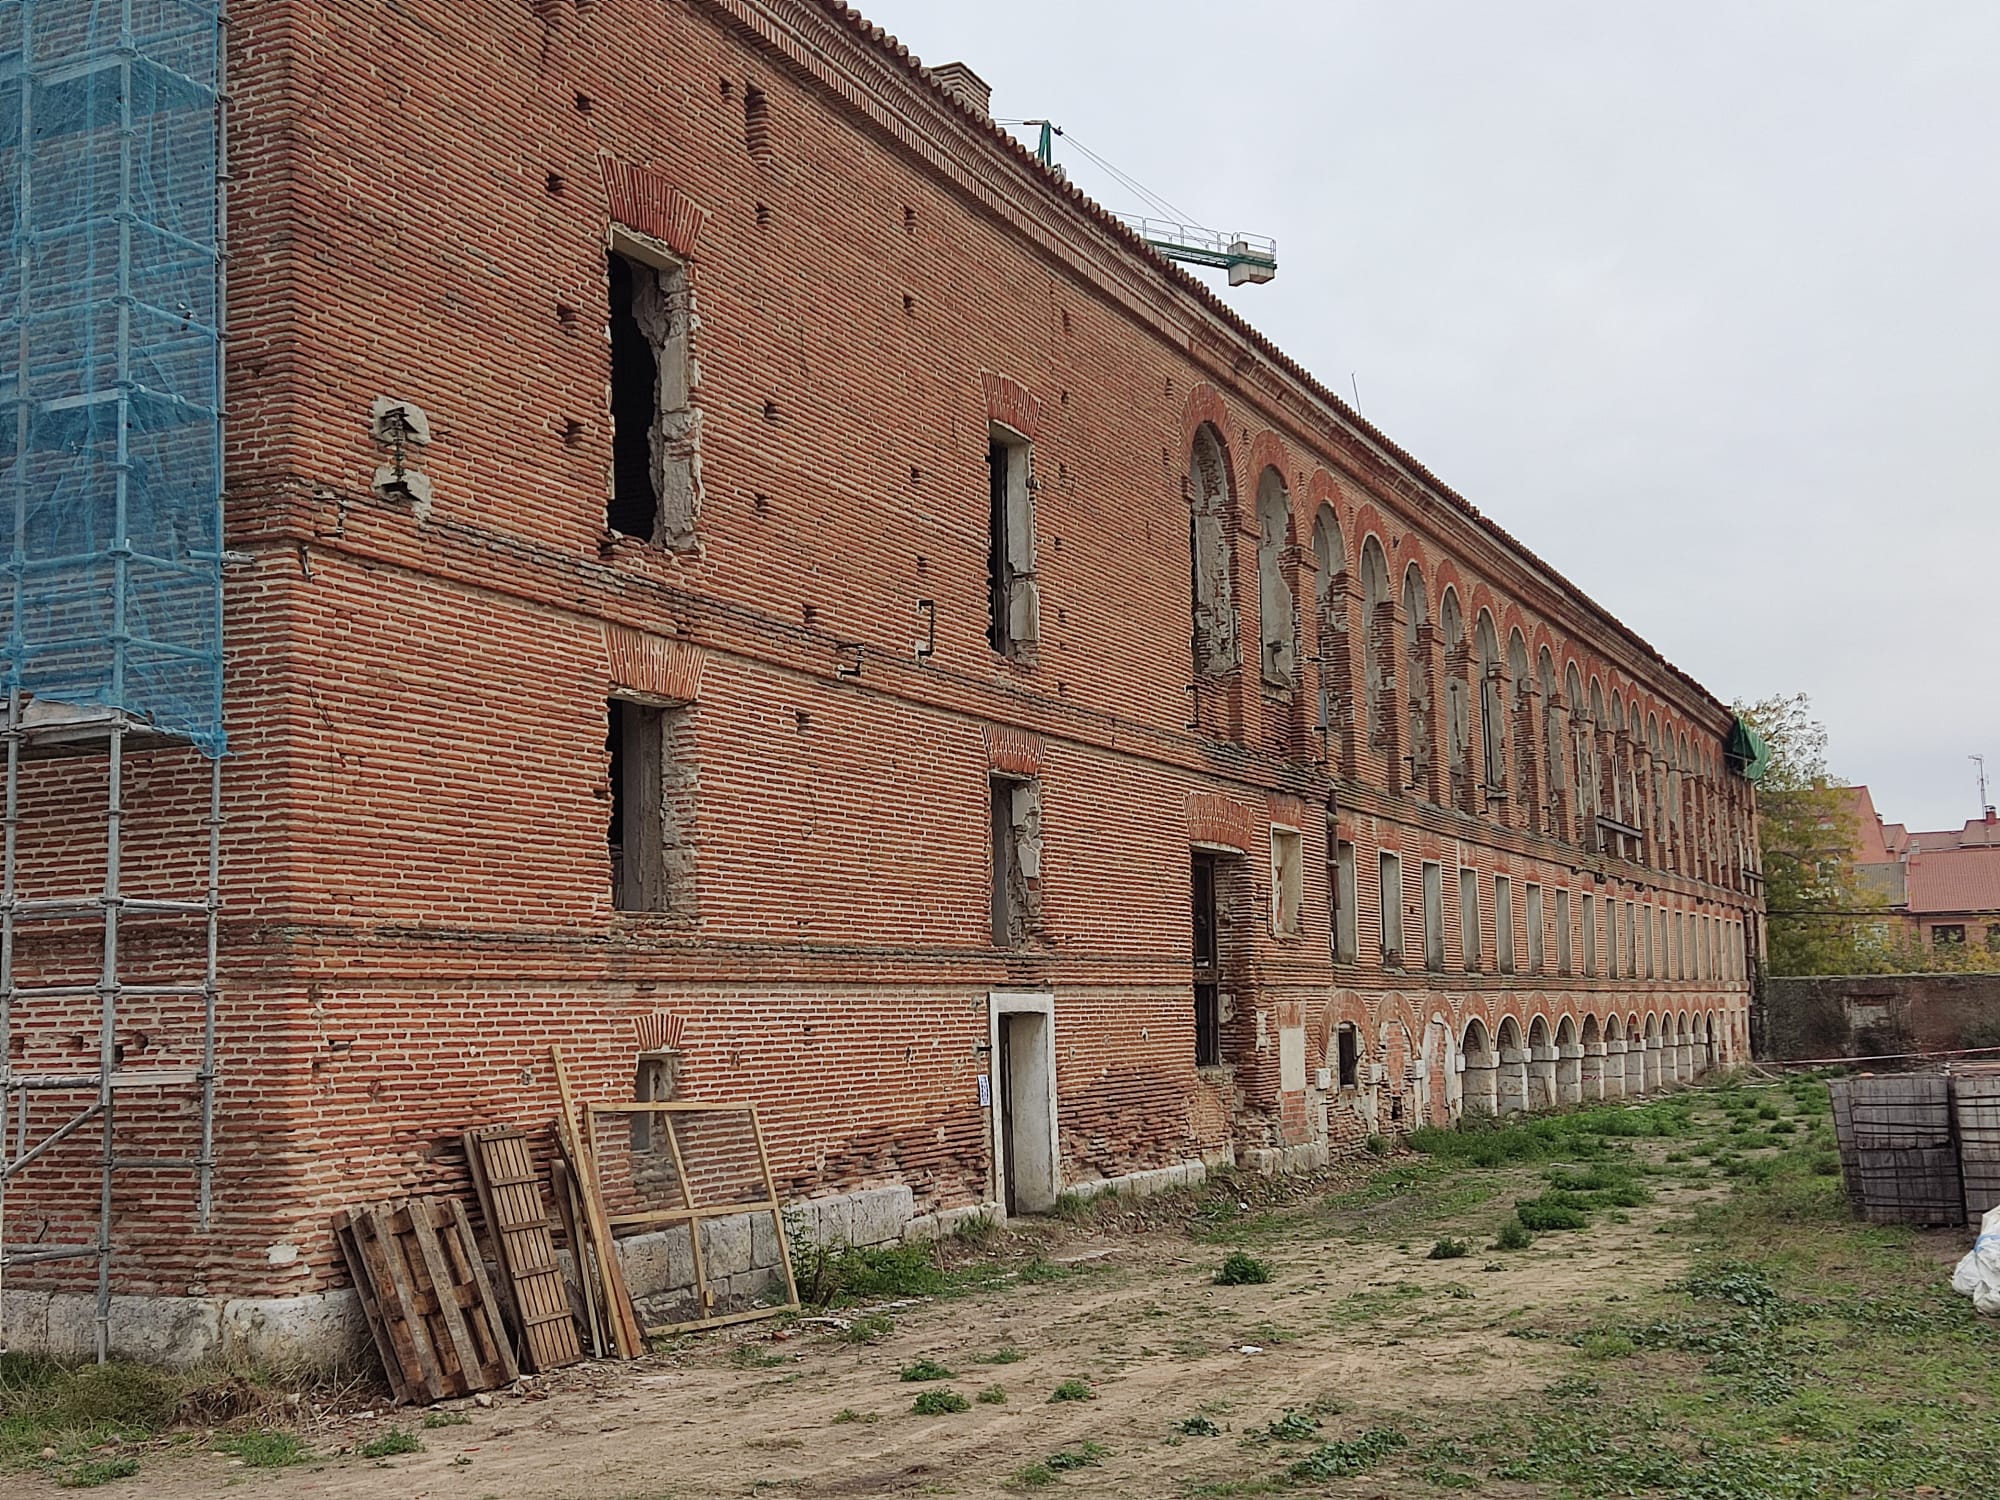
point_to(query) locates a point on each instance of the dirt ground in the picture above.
(1357, 1328)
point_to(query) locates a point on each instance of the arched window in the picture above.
(1600, 724)
(1656, 799)
(1616, 774)
(1279, 655)
(1378, 664)
(1545, 673)
(1417, 675)
(1579, 752)
(1524, 760)
(1211, 503)
(1492, 709)
(1457, 698)
(1329, 612)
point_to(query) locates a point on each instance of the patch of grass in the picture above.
(756, 1357)
(1197, 1426)
(45, 1404)
(1006, 1354)
(391, 1443)
(1346, 1458)
(993, 1395)
(1238, 1269)
(1449, 1249)
(1550, 1211)
(89, 1474)
(868, 1328)
(940, 1402)
(1513, 1235)
(1292, 1427)
(1073, 1390)
(437, 1419)
(848, 1414)
(1377, 1145)
(1033, 1477)
(926, 1369)
(1086, 1455)
(273, 1450)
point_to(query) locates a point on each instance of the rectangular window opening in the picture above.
(1207, 971)
(1589, 933)
(652, 791)
(1347, 935)
(1349, 1055)
(1012, 606)
(1288, 881)
(1469, 942)
(655, 425)
(1433, 915)
(1503, 923)
(1565, 957)
(1390, 876)
(1537, 935)
(1017, 869)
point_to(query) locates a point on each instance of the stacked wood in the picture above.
(530, 1279)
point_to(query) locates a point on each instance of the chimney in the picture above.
(966, 86)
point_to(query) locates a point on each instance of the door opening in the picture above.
(1024, 1109)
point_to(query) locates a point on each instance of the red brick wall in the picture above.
(417, 879)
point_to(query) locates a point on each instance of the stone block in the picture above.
(878, 1215)
(656, 1263)
(725, 1245)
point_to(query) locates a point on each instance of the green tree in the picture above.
(1818, 907)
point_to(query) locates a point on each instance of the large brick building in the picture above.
(729, 542)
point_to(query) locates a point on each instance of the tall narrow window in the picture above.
(1348, 1054)
(1433, 915)
(1207, 968)
(1457, 700)
(1329, 616)
(1611, 949)
(1632, 940)
(1378, 659)
(653, 784)
(1211, 512)
(1391, 888)
(1503, 924)
(1564, 961)
(655, 424)
(1346, 936)
(1469, 942)
(1017, 860)
(1589, 933)
(1288, 881)
(1492, 710)
(1274, 593)
(1537, 937)
(1013, 610)
(1417, 677)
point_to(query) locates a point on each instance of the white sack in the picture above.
(1978, 1275)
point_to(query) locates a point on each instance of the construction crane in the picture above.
(1250, 259)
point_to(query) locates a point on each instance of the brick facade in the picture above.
(419, 896)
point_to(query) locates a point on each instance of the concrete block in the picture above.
(878, 1215)
(763, 1241)
(725, 1245)
(187, 1329)
(657, 1263)
(836, 1221)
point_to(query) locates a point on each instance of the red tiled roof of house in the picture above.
(1976, 834)
(1955, 880)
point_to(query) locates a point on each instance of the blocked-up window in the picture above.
(1537, 939)
(1632, 939)
(1589, 933)
(1469, 941)
(655, 424)
(653, 787)
(1207, 962)
(1348, 1055)
(1017, 860)
(1390, 875)
(1564, 959)
(1013, 606)
(1346, 928)
(1503, 923)
(1278, 649)
(1288, 881)
(1433, 915)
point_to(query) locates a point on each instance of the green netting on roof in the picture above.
(1748, 753)
(110, 367)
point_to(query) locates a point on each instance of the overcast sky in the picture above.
(1699, 300)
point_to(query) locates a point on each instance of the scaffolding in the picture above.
(111, 301)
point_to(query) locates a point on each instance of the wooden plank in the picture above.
(571, 1209)
(719, 1320)
(777, 1212)
(458, 1341)
(399, 1295)
(626, 1332)
(371, 1310)
(524, 1247)
(483, 1315)
(482, 1189)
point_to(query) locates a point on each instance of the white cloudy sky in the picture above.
(1701, 300)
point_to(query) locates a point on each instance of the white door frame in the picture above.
(1013, 1003)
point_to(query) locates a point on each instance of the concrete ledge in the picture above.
(320, 1331)
(948, 1221)
(1145, 1183)
(1274, 1160)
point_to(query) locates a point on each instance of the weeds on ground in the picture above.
(1292, 1427)
(993, 1395)
(391, 1443)
(926, 1369)
(1238, 1269)
(1197, 1426)
(1073, 1390)
(1449, 1249)
(1006, 1354)
(755, 1357)
(939, 1402)
(95, 1471)
(1513, 1235)
(271, 1450)
(1346, 1458)
(445, 1419)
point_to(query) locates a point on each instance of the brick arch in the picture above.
(1448, 577)
(1370, 521)
(1410, 549)
(1264, 451)
(1204, 404)
(1542, 640)
(1479, 598)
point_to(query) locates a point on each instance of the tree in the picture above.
(1818, 908)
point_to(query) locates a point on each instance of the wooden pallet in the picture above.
(1903, 1148)
(430, 1308)
(1976, 1105)
(530, 1280)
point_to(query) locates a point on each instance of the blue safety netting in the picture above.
(110, 368)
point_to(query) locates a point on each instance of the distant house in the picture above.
(1945, 885)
